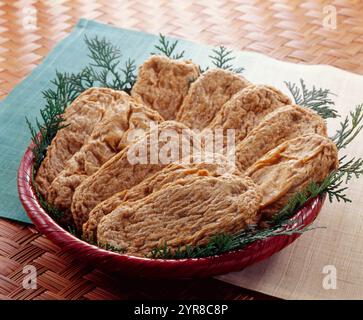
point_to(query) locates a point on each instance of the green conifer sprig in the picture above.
(167, 48)
(222, 58)
(56, 98)
(317, 99)
(349, 128)
(222, 243)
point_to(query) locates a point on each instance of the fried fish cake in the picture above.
(80, 118)
(285, 123)
(129, 167)
(171, 173)
(290, 167)
(187, 212)
(162, 84)
(247, 108)
(107, 139)
(207, 95)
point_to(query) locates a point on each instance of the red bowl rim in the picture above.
(63, 238)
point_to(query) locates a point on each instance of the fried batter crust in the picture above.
(171, 173)
(285, 123)
(162, 84)
(247, 108)
(290, 167)
(119, 174)
(107, 139)
(184, 212)
(80, 118)
(207, 95)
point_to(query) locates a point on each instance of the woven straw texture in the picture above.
(290, 30)
(59, 276)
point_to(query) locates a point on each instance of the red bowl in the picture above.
(112, 262)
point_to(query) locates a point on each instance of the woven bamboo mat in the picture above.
(291, 30)
(60, 276)
(285, 29)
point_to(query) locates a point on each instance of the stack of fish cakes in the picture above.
(87, 172)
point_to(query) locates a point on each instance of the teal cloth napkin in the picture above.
(70, 55)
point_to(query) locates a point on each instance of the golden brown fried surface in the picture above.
(185, 212)
(91, 107)
(207, 95)
(119, 173)
(290, 167)
(162, 84)
(169, 174)
(285, 123)
(107, 139)
(247, 108)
